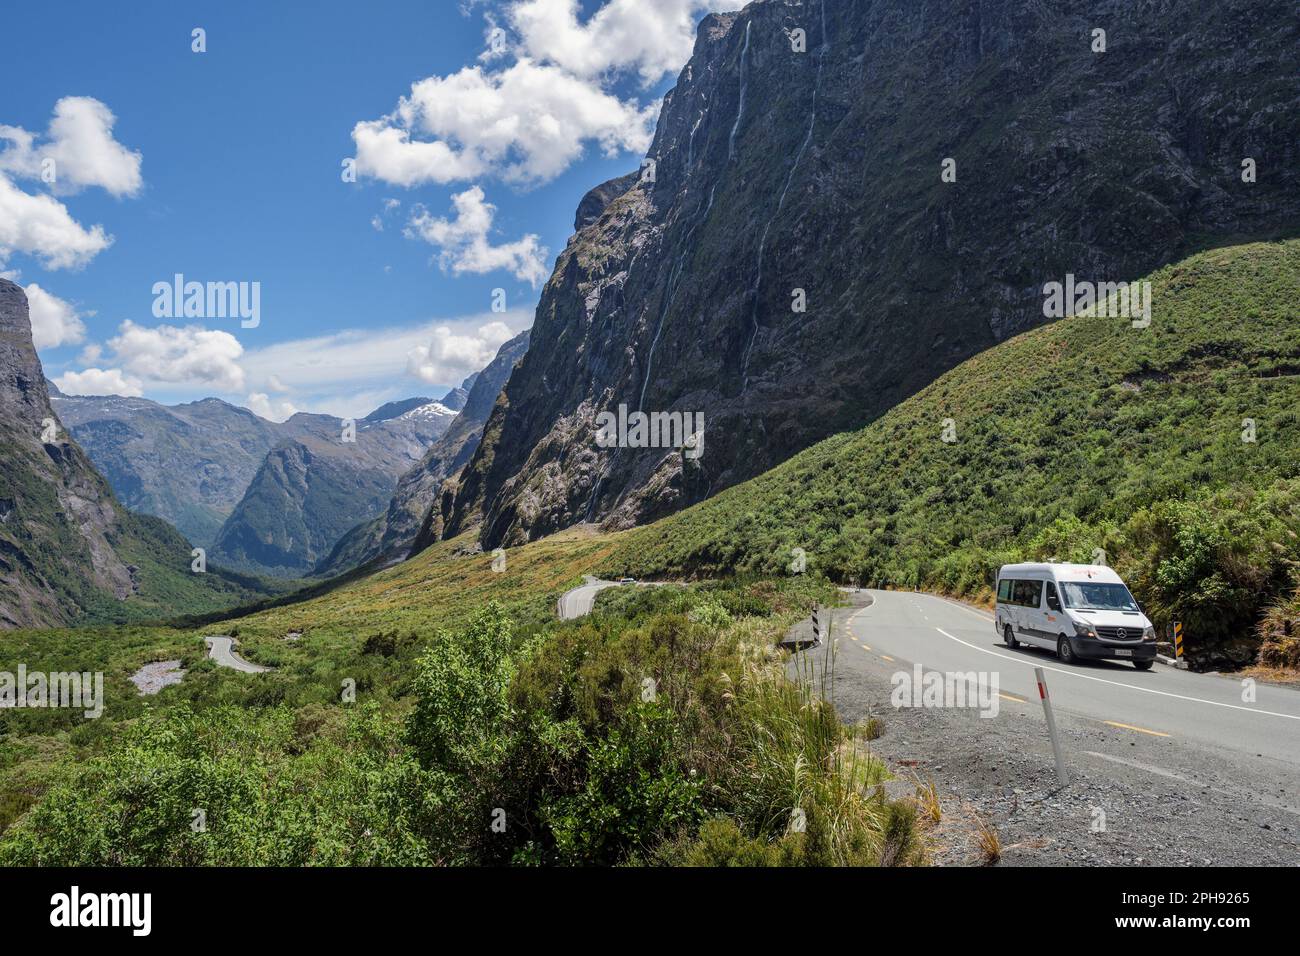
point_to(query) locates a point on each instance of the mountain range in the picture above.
(69, 550)
(413, 518)
(216, 471)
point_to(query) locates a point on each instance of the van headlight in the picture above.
(1083, 630)
(1148, 634)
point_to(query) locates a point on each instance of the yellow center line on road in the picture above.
(1141, 730)
(865, 648)
(888, 658)
(1018, 700)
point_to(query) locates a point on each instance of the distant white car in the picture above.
(1076, 610)
(627, 580)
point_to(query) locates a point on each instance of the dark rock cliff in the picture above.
(778, 171)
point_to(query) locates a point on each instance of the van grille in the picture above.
(1126, 633)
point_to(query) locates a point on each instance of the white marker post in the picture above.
(1051, 725)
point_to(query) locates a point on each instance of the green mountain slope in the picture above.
(1084, 434)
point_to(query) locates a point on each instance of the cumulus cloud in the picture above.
(650, 39)
(42, 226)
(98, 381)
(189, 355)
(276, 410)
(76, 151)
(449, 354)
(78, 148)
(526, 123)
(350, 362)
(463, 242)
(54, 321)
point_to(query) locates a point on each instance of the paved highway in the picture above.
(904, 628)
(1175, 768)
(579, 601)
(221, 650)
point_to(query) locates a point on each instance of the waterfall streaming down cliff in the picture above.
(762, 244)
(744, 87)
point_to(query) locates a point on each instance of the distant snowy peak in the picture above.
(434, 410)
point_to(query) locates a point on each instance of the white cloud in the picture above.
(98, 381)
(348, 370)
(275, 410)
(41, 226)
(189, 355)
(651, 39)
(463, 242)
(54, 321)
(450, 357)
(348, 373)
(526, 123)
(80, 143)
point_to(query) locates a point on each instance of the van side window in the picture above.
(1028, 593)
(1004, 590)
(1053, 601)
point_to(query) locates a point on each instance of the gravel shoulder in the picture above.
(1132, 800)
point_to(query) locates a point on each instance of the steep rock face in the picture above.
(311, 490)
(783, 176)
(55, 511)
(410, 522)
(68, 551)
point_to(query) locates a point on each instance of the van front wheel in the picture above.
(1009, 637)
(1063, 650)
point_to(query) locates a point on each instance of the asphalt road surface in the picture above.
(221, 650)
(1187, 770)
(945, 636)
(579, 601)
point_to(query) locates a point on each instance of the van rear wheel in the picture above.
(1064, 652)
(1009, 637)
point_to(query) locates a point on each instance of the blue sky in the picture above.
(226, 165)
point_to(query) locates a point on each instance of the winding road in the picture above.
(1187, 769)
(901, 629)
(579, 601)
(221, 650)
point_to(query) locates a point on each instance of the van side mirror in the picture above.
(1053, 602)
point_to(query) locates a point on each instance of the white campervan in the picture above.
(1076, 610)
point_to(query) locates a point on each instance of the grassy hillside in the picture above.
(1083, 434)
(471, 700)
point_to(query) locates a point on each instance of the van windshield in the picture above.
(1091, 596)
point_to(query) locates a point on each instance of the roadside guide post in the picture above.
(1178, 640)
(1051, 726)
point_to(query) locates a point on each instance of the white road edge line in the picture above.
(1116, 683)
